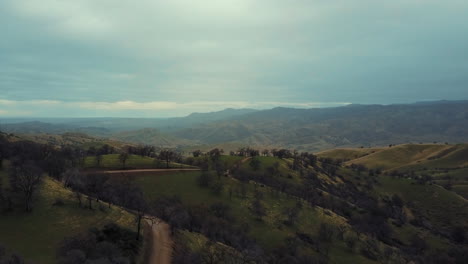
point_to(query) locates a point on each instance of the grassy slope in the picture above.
(445, 209)
(111, 161)
(450, 157)
(440, 161)
(36, 235)
(398, 156)
(271, 231)
(78, 139)
(412, 193)
(347, 153)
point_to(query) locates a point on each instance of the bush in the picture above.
(58, 202)
(204, 180)
(111, 244)
(217, 187)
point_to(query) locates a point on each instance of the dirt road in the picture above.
(162, 243)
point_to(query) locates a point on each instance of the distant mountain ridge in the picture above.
(302, 129)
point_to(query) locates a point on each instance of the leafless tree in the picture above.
(25, 178)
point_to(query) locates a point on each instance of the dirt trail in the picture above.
(161, 252)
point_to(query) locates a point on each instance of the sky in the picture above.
(161, 58)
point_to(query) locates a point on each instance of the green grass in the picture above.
(185, 186)
(270, 232)
(461, 190)
(348, 153)
(229, 161)
(405, 233)
(445, 209)
(398, 156)
(111, 161)
(36, 235)
(283, 168)
(450, 157)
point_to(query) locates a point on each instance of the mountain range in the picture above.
(302, 129)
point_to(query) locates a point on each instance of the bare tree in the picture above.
(70, 177)
(258, 209)
(25, 178)
(98, 160)
(123, 157)
(138, 203)
(167, 155)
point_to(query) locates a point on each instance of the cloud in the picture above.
(173, 51)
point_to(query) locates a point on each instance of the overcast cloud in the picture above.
(173, 57)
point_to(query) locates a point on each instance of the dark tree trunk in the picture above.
(139, 226)
(28, 200)
(28, 206)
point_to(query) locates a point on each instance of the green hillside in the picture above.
(445, 164)
(384, 205)
(428, 202)
(348, 153)
(271, 232)
(74, 139)
(36, 235)
(112, 161)
(396, 156)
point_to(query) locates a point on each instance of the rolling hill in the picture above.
(446, 164)
(302, 129)
(36, 235)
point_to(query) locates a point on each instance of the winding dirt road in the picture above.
(161, 252)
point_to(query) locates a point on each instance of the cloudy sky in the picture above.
(171, 57)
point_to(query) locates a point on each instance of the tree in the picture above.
(99, 160)
(291, 214)
(219, 168)
(2, 196)
(217, 187)
(282, 153)
(255, 164)
(418, 244)
(123, 157)
(167, 155)
(138, 203)
(326, 232)
(258, 209)
(204, 180)
(95, 186)
(196, 153)
(55, 164)
(459, 234)
(215, 154)
(79, 198)
(25, 178)
(70, 177)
